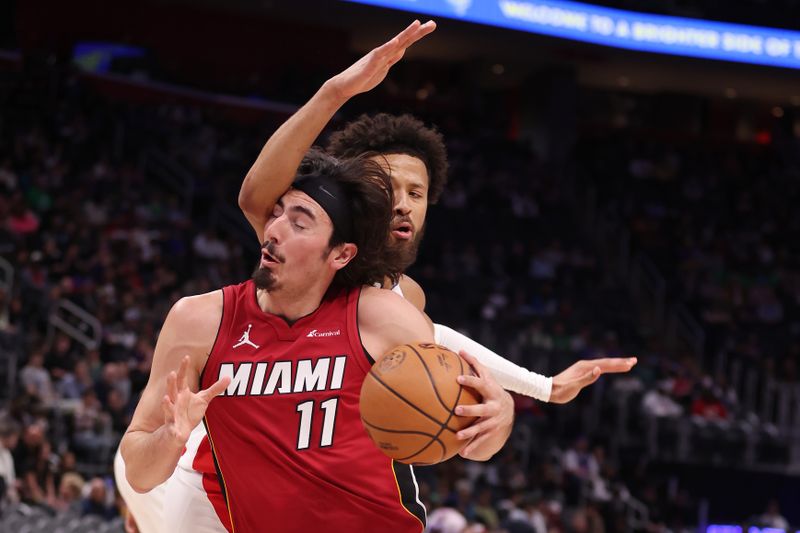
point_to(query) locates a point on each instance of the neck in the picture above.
(291, 305)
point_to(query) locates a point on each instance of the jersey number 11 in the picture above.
(306, 410)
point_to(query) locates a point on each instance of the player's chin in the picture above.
(264, 278)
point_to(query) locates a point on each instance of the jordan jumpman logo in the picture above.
(246, 338)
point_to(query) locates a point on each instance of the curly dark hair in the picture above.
(369, 191)
(392, 134)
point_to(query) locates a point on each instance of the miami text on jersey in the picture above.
(284, 377)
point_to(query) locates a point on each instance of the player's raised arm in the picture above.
(171, 406)
(276, 165)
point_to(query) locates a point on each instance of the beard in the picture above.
(407, 250)
(264, 278)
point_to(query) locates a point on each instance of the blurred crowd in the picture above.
(718, 219)
(83, 219)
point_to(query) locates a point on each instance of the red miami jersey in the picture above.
(286, 435)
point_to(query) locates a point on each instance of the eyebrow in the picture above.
(304, 210)
(298, 209)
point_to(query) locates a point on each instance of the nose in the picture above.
(401, 206)
(273, 229)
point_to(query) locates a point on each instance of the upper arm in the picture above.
(190, 329)
(386, 320)
(256, 220)
(412, 292)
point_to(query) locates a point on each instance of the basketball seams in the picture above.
(408, 431)
(458, 397)
(433, 438)
(410, 404)
(411, 439)
(430, 378)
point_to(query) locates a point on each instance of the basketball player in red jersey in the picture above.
(283, 357)
(416, 160)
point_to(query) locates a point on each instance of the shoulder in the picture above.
(380, 306)
(375, 300)
(412, 292)
(198, 313)
(386, 319)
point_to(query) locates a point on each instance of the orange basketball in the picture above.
(408, 401)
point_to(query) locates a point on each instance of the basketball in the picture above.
(408, 403)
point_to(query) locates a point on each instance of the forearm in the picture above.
(276, 165)
(150, 458)
(510, 376)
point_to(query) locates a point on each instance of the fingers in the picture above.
(590, 377)
(475, 429)
(172, 386)
(473, 382)
(216, 389)
(181, 378)
(474, 445)
(413, 33)
(480, 370)
(614, 364)
(168, 408)
(476, 410)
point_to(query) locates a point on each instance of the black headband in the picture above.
(330, 195)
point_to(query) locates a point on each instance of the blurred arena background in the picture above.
(602, 200)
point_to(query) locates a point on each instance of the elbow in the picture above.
(138, 489)
(135, 483)
(243, 196)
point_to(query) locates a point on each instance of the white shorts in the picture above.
(189, 509)
(147, 509)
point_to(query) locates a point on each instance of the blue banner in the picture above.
(621, 29)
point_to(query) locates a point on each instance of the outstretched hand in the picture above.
(184, 409)
(370, 70)
(571, 381)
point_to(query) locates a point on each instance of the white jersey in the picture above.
(147, 509)
(196, 437)
(397, 289)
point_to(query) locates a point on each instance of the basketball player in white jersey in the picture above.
(186, 495)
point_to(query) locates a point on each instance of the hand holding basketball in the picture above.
(495, 413)
(366, 73)
(184, 409)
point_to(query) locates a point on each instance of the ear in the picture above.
(341, 255)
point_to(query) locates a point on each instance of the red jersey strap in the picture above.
(228, 301)
(353, 333)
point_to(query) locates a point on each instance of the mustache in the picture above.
(269, 247)
(402, 219)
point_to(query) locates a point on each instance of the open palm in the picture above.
(370, 70)
(571, 381)
(184, 409)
